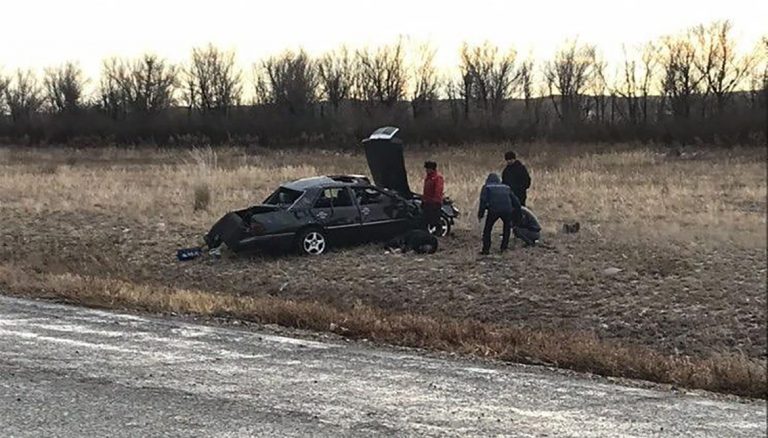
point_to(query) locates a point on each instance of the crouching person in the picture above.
(528, 229)
(499, 202)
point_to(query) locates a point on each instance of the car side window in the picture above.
(369, 196)
(324, 200)
(334, 197)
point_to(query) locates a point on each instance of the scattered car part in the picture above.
(186, 254)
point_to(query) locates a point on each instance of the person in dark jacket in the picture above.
(528, 229)
(498, 200)
(432, 196)
(516, 176)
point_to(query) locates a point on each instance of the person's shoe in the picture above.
(484, 252)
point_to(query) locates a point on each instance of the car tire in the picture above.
(443, 229)
(312, 241)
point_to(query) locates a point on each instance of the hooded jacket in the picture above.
(497, 198)
(529, 221)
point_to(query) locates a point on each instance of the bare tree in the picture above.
(4, 81)
(288, 81)
(759, 81)
(113, 98)
(489, 76)
(464, 89)
(336, 78)
(425, 81)
(765, 84)
(526, 82)
(718, 62)
(23, 95)
(758, 77)
(64, 88)
(568, 75)
(455, 96)
(381, 75)
(681, 81)
(635, 83)
(597, 86)
(650, 63)
(145, 86)
(212, 81)
(627, 87)
(153, 84)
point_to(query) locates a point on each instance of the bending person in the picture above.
(500, 203)
(528, 229)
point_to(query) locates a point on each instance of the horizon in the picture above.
(84, 31)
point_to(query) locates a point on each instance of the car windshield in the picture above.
(283, 197)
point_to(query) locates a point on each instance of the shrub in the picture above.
(202, 196)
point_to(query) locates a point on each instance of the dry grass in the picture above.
(735, 374)
(717, 197)
(202, 197)
(99, 226)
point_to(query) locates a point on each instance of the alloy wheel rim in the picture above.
(443, 227)
(314, 243)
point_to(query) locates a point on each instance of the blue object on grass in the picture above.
(185, 254)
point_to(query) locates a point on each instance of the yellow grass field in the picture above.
(687, 231)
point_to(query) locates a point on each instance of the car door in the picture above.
(338, 214)
(383, 214)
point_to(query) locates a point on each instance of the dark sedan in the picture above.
(312, 214)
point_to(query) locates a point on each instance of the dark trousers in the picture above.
(490, 221)
(431, 214)
(521, 195)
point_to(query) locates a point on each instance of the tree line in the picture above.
(697, 85)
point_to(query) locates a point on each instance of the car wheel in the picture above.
(442, 229)
(312, 242)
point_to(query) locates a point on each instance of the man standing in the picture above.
(432, 198)
(500, 203)
(516, 176)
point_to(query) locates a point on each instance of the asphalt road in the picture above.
(72, 372)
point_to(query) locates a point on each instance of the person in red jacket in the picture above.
(432, 198)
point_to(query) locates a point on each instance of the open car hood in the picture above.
(384, 152)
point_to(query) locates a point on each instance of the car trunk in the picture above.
(384, 153)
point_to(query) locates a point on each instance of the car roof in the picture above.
(327, 181)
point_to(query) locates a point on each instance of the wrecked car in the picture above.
(311, 214)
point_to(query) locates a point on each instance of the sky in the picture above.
(39, 33)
